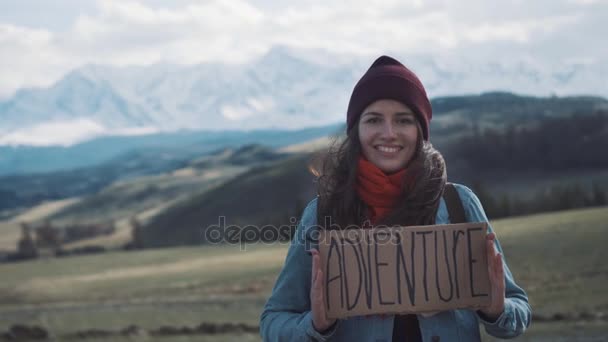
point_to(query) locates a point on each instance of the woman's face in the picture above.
(388, 134)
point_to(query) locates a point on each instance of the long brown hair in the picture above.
(340, 204)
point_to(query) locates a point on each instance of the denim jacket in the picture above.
(287, 316)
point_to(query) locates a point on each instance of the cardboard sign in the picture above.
(404, 269)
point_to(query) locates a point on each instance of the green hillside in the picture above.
(268, 194)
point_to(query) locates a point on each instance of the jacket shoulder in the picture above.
(309, 214)
(465, 193)
(472, 205)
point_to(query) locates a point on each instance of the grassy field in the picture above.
(558, 258)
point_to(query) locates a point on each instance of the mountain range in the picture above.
(283, 89)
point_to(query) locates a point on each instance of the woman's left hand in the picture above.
(497, 280)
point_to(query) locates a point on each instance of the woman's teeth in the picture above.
(388, 149)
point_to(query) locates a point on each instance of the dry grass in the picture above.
(559, 259)
(165, 273)
(43, 210)
(208, 264)
(119, 202)
(10, 230)
(308, 146)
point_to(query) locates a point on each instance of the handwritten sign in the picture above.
(404, 269)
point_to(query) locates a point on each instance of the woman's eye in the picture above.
(373, 120)
(406, 121)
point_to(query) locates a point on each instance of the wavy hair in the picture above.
(336, 171)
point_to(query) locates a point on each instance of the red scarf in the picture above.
(379, 191)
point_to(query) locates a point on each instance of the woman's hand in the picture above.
(317, 289)
(497, 280)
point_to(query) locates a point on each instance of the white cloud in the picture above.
(29, 57)
(129, 32)
(587, 2)
(63, 133)
(66, 133)
(261, 104)
(516, 31)
(236, 113)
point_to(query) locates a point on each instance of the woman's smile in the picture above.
(389, 149)
(388, 133)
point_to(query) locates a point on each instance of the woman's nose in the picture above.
(389, 130)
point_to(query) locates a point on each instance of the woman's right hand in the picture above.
(317, 289)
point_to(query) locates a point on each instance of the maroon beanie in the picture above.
(389, 79)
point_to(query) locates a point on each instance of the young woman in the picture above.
(387, 172)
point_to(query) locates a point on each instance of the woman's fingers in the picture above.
(497, 280)
(316, 284)
(315, 266)
(319, 289)
(492, 256)
(500, 271)
(495, 265)
(495, 269)
(491, 250)
(319, 314)
(499, 298)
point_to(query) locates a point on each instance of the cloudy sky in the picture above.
(42, 40)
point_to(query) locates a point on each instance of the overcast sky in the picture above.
(42, 40)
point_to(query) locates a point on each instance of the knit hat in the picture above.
(387, 78)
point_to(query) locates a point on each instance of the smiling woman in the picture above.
(387, 173)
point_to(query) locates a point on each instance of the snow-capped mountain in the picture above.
(283, 89)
